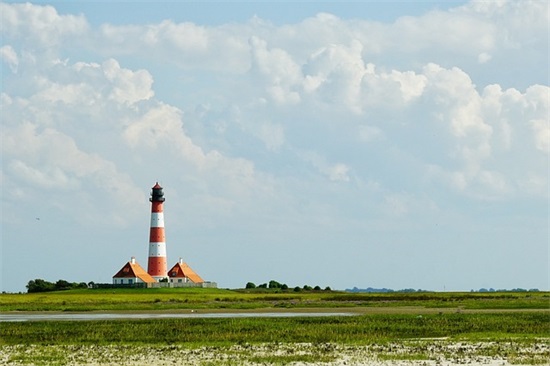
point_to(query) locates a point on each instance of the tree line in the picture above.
(40, 285)
(274, 285)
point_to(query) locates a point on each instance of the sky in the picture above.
(343, 144)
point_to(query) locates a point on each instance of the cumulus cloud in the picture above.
(39, 25)
(278, 68)
(9, 56)
(541, 131)
(344, 124)
(322, 60)
(161, 125)
(128, 86)
(48, 159)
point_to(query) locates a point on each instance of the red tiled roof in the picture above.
(182, 269)
(134, 270)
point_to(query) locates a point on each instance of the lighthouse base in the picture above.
(160, 278)
(182, 284)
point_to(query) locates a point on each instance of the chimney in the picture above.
(133, 260)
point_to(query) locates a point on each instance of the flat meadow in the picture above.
(385, 329)
(127, 299)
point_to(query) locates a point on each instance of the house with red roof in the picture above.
(132, 273)
(182, 273)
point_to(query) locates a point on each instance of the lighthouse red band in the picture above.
(157, 266)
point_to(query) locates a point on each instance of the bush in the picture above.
(39, 285)
(250, 285)
(62, 285)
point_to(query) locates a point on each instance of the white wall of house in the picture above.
(127, 281)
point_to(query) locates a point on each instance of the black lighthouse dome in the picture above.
(157, 195)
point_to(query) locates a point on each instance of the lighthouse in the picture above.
(157, 267)
(158, 275)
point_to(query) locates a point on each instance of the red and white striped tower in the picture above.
(157, 267)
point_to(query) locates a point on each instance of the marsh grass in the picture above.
(396, 333)
(348, 329)
(199, 298)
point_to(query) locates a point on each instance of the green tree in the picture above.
(39, 285)
(250, 285)
(62, 285)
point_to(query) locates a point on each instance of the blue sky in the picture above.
(222, 12)
(382, 144)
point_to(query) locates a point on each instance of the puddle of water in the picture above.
(5, 317)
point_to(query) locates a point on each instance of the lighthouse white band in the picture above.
(157, 249)
(157, 219)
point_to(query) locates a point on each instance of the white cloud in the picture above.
(338, 172)
(254, 125)
(483, 57)
(128, 86)
(281, 73)
(162, 125)
(541, 131)
(48, 159)
(9, 56)
(39, 24)
(335, 74)
(50, 177)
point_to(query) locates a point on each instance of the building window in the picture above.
(179, 280)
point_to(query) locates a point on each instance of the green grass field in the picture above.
(363, 329)
(458, 327)
(193, 298)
